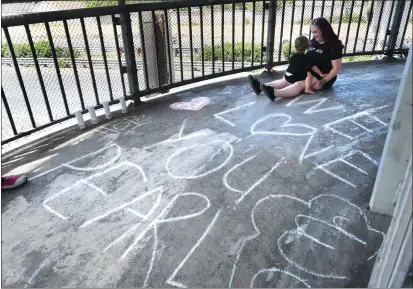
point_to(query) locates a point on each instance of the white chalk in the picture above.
(123, 104)
(107, 110)
(80, 120)
(92, 114)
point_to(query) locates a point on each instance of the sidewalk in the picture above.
(213, 187)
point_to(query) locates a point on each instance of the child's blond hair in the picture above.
(301, 44)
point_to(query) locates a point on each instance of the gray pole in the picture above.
(128, 46)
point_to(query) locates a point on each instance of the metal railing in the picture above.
(57, 63)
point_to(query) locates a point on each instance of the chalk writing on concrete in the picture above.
(111, 149)
(299, 233)
(344, 160)
(355, 119)
(219, 114)
(313, 109)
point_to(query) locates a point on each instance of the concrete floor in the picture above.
(215, 187)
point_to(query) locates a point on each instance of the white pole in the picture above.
(79, 118)
(92, 114)
(123, 104)
(107, 109)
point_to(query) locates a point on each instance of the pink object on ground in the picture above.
(11, 182)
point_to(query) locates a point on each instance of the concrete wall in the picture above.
(397, 149)
(393, 187)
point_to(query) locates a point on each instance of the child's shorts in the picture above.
(292, 78)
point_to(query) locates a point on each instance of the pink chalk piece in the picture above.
(195, 104)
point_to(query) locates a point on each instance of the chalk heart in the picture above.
(195, 104)
(285, 128)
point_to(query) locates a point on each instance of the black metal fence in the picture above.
(57, 63)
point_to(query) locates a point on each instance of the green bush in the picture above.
(346, 18)
(63, 63)
(285, 48)
(42, 50)
(305, 21)
(247, 22)
(228, 52)
(5, 52)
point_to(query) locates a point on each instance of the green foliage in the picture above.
(357, 58)
(285, 49)
(346, 18)
(63, 63)
(306, 21)
(42, 50)
(5, 52)
(247, 22)
(228, 52)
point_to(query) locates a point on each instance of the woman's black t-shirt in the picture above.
(321, 55)
(297, 68)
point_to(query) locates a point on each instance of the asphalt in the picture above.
(222, 189)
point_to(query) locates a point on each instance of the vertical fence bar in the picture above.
(145, 62)
(243, 35)
(212, 39)
(406, 25)
(312, 14)
(129, 50)
(6, 106)
(56, 64)
(72, 57)
(89, 58)
(262, 32)
(105, 61)
(233, 36)
(388, 26)
(253, 33)
(180, 43)
(169, 45)
(201, 23)
(222, 37)
(302, 18)
(358, 26)
(190, 41)
(398, 15)
(322, 8)
(349, 24)
(341, 18)
(155, 46)
(38, 71)
(332, 11)
(368, 25)
(115, 35)
(281, 32)
(271, 34)
(291, 29)
(19, 76)
(378, 26)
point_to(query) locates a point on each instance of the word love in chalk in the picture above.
(194, 104)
